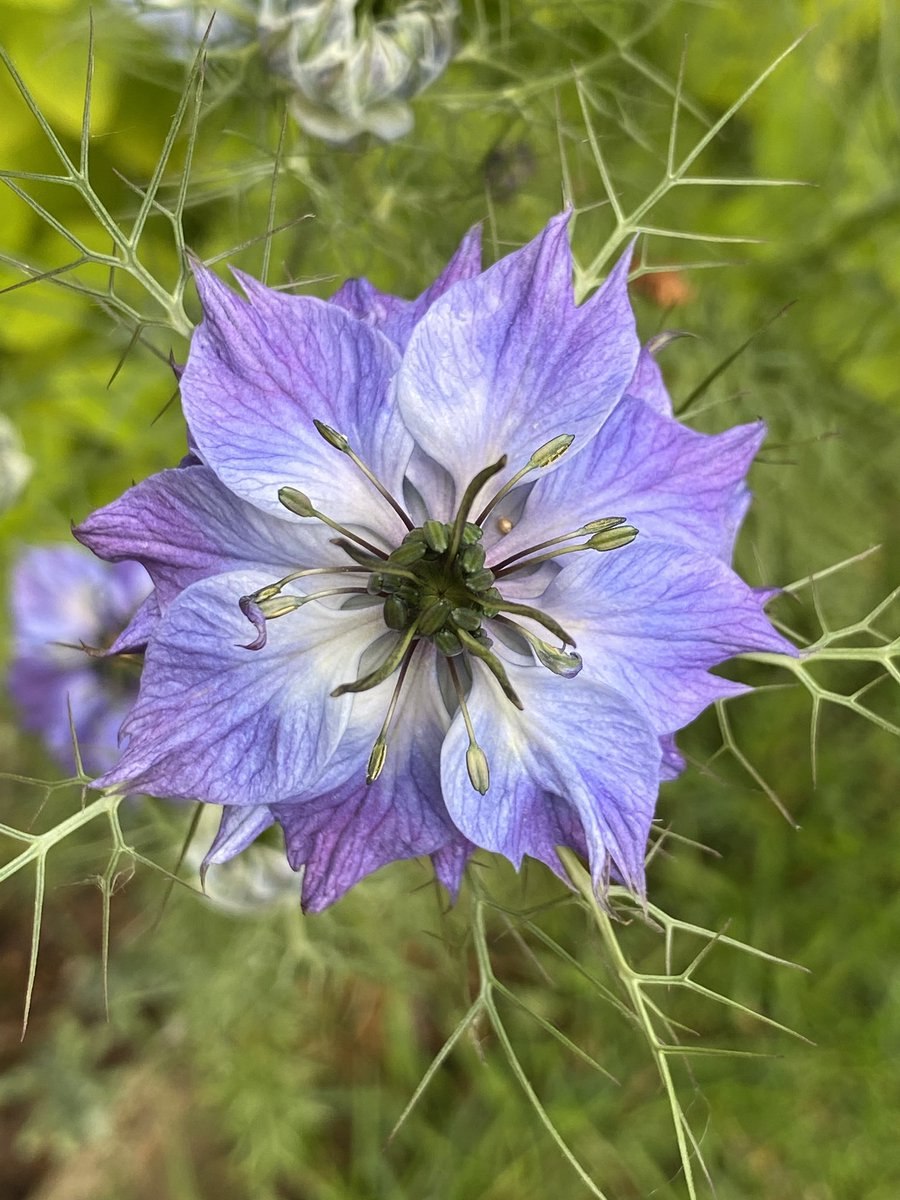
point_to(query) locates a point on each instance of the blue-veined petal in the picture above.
(503, 363)
(578, 767)
(262, 370)
(351, 828)
(396, 317)
(217, 722)
(184, 525)
(650, 619)
(671, 482)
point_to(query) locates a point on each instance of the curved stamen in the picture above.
(260, 608)
(561, 662)
(385, 670)
(300, 505)
(542, 457)
(613, 539)
(379, 750)
(542, 618)
(590, 527)
(476, 759)
(339, 441)
(493, 664)
(466, 503)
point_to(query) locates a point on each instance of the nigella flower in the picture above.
(64, 604)
(404, 610)
(351, 72)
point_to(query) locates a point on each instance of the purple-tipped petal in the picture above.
(395, 317)
(184, 525)
(137, 633)
(578, 767)
(262, 370)
(503, 363)
(215, 723)
(352, 828)
(450, 863)
(238, 828)
(650, 619)
(647, 383)
(674, 484)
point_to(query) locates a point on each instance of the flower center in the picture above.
(436, 586)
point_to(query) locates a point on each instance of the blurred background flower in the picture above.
(350, 71)
(66, 606)
(15, 465)
(349, 66)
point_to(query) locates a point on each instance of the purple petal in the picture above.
(137, 633)
(647, 383)
(673, 483)
(238, 828)
(258, 375)
(352, 828)
(650, 619)
(216, 723)
(503, 363)
(395, 317)
(185, 525)
(672, 759)
(579, 767)
(450, 864)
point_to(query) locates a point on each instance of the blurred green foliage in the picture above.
(269, 1057)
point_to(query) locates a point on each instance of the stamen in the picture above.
(387, 668)
(339, 441)
(266, 605)
(560, 662)
(476, 759)
(493, 664)
(296, 502)
(613, 539)
(379, 566)
(379, 750)
(466, 503)
(542, 457)
(590, 527)
(542, 618)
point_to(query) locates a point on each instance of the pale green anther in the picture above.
(613, 539)
(477, 766)
(407, 553)
(376, 760)
(466, 618)
(296, 502)
(280, 606)
(437, 535)
(434, 618)
(332, 436)
(396, 612)
(471, 533)
(604, 524)
(471, 558)
(550, 451)
(448, 643)
(560, 662)
(265, 593)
